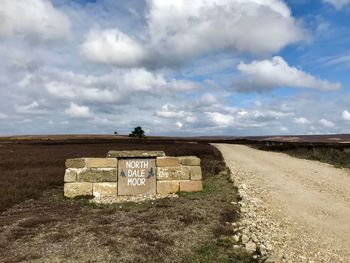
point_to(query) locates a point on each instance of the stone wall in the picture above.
(132, 173)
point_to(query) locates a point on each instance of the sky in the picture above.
(175, 67)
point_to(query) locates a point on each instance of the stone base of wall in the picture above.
(98, 177)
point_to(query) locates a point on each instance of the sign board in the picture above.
(137, 176)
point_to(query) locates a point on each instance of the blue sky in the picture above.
(175, 67)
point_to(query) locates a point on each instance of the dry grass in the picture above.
(43, 225)
(335, 154)
(29, 169)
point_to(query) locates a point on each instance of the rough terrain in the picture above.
(293, 209)
(37, 224)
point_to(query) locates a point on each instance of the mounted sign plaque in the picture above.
(136, 176)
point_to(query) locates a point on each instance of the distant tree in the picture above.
(137, 133)
(115, 133)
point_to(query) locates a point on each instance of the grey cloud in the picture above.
(47, 87)
(177, 31)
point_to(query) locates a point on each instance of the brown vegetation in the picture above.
(335, 154)
(43, 225)
(28, 169)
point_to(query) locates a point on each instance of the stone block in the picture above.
(191, 186)
(190, 160)
(71, 174)
(77, 189)
(104, 189)
(168, 187)
(75, 163)
(94, 175)
(101, 162)
(137, 176)
(173, 173)
(167, 162)
(196, 173)
(133, 154)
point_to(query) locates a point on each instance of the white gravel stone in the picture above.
(135, 199)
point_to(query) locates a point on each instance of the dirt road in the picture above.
(307, 201)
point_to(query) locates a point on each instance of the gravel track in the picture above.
(303, 210)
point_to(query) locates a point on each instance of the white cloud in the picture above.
(182, 85)
(190, 28)
(114, 87)
(259, 117)
(284, 129)
(169, 111)
(142, 80)
(346, 115)
(338, 4)
(39, 81)
(33, 19)
(275, 73)
(32, 108)
(178, 30)
(301, 120)
(326, 123)
(77, 111)
(3, 116)
(207, 99)
(342, 59)
(179, 124)
(220, 119)
(112, 46)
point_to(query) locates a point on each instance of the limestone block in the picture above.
(196, 173)
(190, 160)
(167, 162)
(98, 175)
(182, 173)
(168, 187)
(101, 162)
(165, 173)
(77, 189)
(191, 186)
(104, 189)
(139, 154)
(75, 163)
(71, 174)
(173, 173)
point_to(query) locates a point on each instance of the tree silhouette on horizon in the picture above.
(137, 133)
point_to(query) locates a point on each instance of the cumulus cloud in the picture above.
(189, 28)
(220, 119)
(31, 108)
(117, 87)
(338, 4)
(179, 124)
(33, 19)
(274, 73)
(207, 99)
(50, 88)
(111, 46)
(143, 80)
(346, 115)
(326, 123)
(80, 112)
(178, 30)
(301, 120)
(182, 85)
(169, 111)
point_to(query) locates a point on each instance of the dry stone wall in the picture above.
(132, 173)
